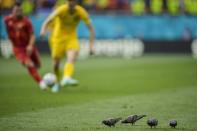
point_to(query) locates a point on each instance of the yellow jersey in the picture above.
(65, 24)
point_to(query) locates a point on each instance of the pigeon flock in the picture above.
(132, 119)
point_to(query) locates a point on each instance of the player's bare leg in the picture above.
(69, 68)
(56, 64)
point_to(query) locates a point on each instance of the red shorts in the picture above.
(22, 56)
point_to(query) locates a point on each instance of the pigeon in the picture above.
(152, 122)
(140, 117)
(111, 121)
(132, 119)
(173, 123)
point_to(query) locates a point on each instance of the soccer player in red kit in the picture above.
(20, 32)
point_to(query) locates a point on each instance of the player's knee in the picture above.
(28, 63)
(72, 56)
(71, 59)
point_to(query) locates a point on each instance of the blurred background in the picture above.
(142, 65)
(136, 26)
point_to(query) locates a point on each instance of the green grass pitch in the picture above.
(160, 86)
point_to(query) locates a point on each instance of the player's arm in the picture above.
(86, 19)
(45, 24)
(48, 20)
(32, 38)
(31, 43)
(91, 39)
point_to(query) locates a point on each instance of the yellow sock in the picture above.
(68, 70)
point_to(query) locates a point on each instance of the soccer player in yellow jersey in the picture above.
(63, 39)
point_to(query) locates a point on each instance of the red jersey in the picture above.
(19, 31)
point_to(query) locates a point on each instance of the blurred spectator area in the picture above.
(144, 19)
(134, 7)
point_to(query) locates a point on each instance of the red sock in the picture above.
(34, 73)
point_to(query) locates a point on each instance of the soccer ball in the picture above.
(50, 79)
